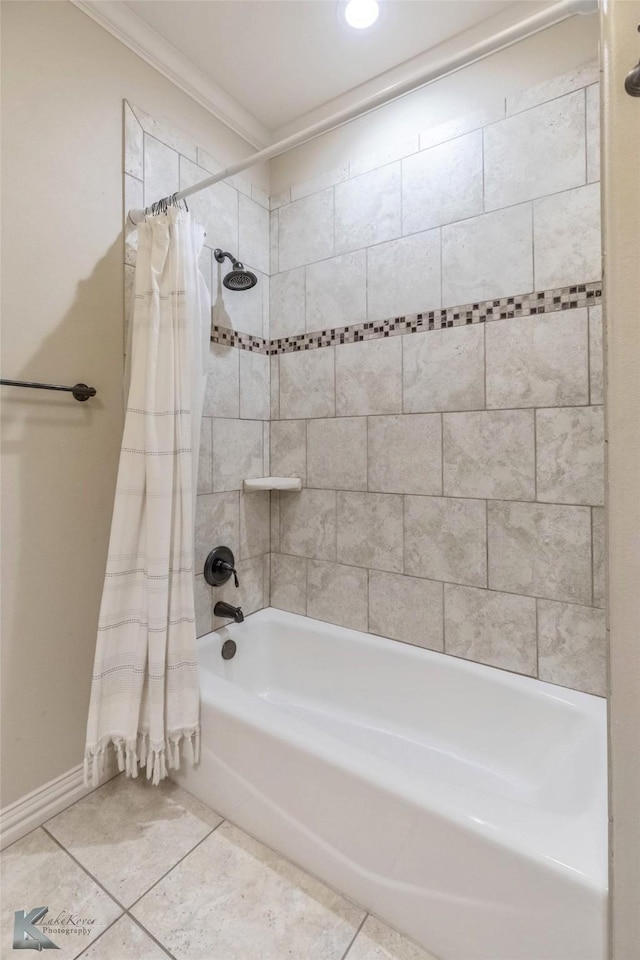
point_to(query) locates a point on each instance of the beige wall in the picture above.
(561, 48)
(621, 191)
(64, 79)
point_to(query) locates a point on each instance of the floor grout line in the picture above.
(126, 911)
(173, 866)
(150, 935)
(95, 940)
(355, 936)
(85, 870)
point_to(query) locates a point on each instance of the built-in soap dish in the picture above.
(273, 483)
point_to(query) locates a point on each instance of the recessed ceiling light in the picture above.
(361, 14)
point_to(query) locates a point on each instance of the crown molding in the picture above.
(127, 27)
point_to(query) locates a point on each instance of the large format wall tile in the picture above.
(367, 209)
(288, 583)
(593, 132)
(337, 593)
(570, 455)
(308, 524)
(217, 524)
(275, 521)
(305, 230)
(266, 447)
(405, 454)
(444, 369)
(307, 384)
(552, 88)
(370, 530)
(254, 385)
(253, 242)
(369, 377)
(406, 608)
(488, 256)
(320, 182)
(222, 395)
(255, 521)
(246, 310)
(286, 311)
(488, 627)
(161, 170)
(133, 144)
(452, 129)
(442, 184)
(394, 149)
(236, 452)
(596, 359)
(489, 454)
(204, 458)
(540, 549)
(337, 453)
(598, 551)
(274, 241)
(403, 276)
(215, 208)
(336, 291)
(567, 238)
(534, 153)
(538, 361)
(173, 138)
(289, 449)
(134, 200)
(274, 374)
(446, 539)
(572, 646)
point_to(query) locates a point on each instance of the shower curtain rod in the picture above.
(548, 17)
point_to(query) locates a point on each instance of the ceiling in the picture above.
(280, 59)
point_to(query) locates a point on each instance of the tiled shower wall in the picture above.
(234, 442)
(453, 476)
(436, 380)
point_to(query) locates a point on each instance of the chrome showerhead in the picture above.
(238, 278)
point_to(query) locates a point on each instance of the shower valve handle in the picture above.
(223, 565)
(219, 566)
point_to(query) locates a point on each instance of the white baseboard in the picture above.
(35, 808)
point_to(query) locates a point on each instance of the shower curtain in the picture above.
(144, 694)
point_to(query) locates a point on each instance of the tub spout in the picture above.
(223, 609)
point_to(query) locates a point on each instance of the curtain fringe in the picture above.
(131, 754)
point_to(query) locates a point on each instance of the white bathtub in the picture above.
(464, 805)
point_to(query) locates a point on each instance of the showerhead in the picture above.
(238, 278)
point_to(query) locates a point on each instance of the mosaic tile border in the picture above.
(244, 341)
(483, 311)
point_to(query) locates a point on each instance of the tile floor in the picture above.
(149, 873)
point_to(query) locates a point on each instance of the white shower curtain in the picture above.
(144, 694)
